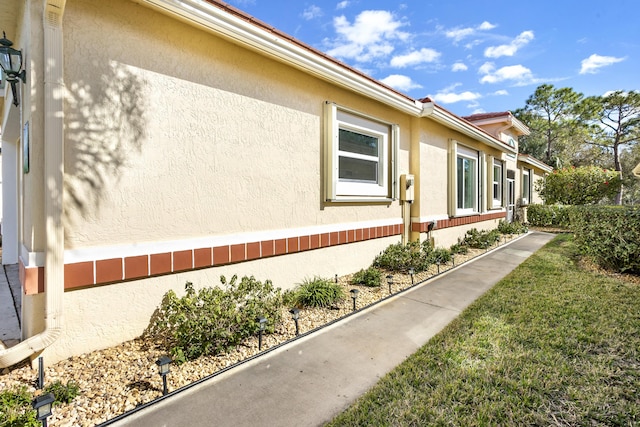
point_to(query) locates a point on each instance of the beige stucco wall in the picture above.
(164, 144)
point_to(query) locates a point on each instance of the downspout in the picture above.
(53, 181)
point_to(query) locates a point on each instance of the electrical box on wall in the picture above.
(407, 185)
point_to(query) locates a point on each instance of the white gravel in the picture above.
(117, 379)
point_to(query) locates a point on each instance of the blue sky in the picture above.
(471, 56)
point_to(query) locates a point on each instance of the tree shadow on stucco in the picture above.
(105, 125)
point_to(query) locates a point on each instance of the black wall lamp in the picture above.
(11, 63)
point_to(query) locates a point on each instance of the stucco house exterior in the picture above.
(178, 140)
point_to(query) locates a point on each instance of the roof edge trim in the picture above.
(216, 20)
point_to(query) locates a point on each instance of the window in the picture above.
(526, 186)
(360, 156)
(497, 183)
(466, 181)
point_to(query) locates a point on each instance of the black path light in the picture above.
(263, 323)
(43, 404)
(453, 260)
(295, 314)
(11, 64)
(411, 273)
(354, 296)
(438, 264)
(163, 369)
(390, 281)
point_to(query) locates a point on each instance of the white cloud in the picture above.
(445, 97)
(415, 57)
(592, 64)
(342, 5)
(516, 73)
(458, 34)
(500, 92)
(370, 36)
(448, 95)
(486, 25)
(459, 66)
(509, 49)
(312, 12)
(400, 82)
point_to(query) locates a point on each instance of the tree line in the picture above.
(569, 129)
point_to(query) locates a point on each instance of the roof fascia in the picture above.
(525, 158)
(454, 122)
(511, 121)
(239, 31)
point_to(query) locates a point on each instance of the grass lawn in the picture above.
(551, 344)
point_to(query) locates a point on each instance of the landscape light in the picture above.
(390, 281)
(411, 273)
(295, 314)
(354, 295)
(43, 404)
(163, 369)
(262, 321)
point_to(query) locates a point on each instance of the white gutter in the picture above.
(454, 122)
(525, 158)
(283, 49)
(53, 141)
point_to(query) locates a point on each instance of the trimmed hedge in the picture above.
(548, 215)
(608, 234)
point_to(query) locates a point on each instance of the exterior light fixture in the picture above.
(263, 323)
(411, 273)
(336, 278)
(43, 404)
(11, 64)
(390, 281)
(453, 260)
(354, 295)
(163, 370)
(295, 314)
(438, 264)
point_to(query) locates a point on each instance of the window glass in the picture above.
(467, 183)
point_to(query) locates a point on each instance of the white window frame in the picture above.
(473, 155)
(497, 183)
(343, 189)
(526, 186)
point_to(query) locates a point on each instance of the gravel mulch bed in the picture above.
(118, 379)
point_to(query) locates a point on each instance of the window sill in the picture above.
(369, 200)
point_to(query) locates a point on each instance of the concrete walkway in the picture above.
(10, 306)
(311, 380)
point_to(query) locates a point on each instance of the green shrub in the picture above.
(64, 393)
(610, 235)
(440, 255)
(318, 292)
(371, 277)
(458, 248)
(211, 320)
(16, 410)
(401, 258)
(514, 227)
(584, 185)
(480, 239)
(548, 215)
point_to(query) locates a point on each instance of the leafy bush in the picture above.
(458, 248)
(64, 393)
(16, 410)
(585, 185)
(211, 320)
(318, 292)
(480, 239)
(440, 255)
(609, 234)
(548, 215)
(399, 257)
(514, 227)
(371, 277)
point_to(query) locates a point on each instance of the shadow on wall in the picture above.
(105, 126)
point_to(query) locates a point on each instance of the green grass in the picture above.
(550, 344)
